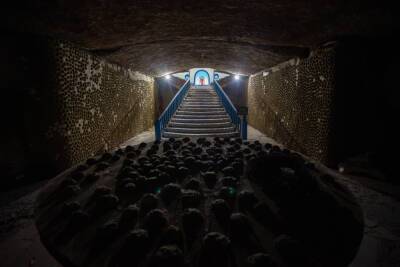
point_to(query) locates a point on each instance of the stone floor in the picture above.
(20, 244)
(149, 136)
(381, 243)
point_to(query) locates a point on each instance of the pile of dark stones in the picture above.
(198, 202)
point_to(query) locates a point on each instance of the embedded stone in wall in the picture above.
(99, 105)
(293, 103)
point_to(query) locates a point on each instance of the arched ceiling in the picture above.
(156, 37)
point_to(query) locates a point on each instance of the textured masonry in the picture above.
(99, 105)
(292, 103)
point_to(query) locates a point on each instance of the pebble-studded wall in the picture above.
(100, 105)
(292, 103)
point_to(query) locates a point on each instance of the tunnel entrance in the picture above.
(201, 77)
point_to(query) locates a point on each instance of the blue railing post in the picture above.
(241, 124)
(243, 127)
(163, 120)
(157, 127)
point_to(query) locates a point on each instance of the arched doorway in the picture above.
(201, 77)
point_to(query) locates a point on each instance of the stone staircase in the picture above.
(201, 114)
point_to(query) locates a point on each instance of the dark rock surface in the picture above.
(160, 36)
(271, 208)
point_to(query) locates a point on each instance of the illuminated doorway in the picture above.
(201, 77)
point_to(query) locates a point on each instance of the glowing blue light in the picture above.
(237, 77)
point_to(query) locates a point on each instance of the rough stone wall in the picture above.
(100, 104)
(292, 103)
(59, 104)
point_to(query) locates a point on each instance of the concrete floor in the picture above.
(20, 244)
(380, 203)
(149, 136)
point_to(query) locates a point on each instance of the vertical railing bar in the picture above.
(240, 125)
(165, 117)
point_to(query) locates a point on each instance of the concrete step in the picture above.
(199, 125)
(210, 102)
(202, 95)
(201, 90)
(200, 130)
(201, 106)
(198, 92)
(200, 116)
(202, 112)
(200, 102)
(167, 134)
(196, 120)
(203, 100)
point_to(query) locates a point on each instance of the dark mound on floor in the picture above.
(203, 202)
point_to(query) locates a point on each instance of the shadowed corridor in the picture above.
(199, 133)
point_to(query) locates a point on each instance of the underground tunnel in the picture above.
(199, 133)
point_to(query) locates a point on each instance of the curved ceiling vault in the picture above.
(166, 36)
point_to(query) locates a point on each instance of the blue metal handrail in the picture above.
(165, 117)
(240, 123)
